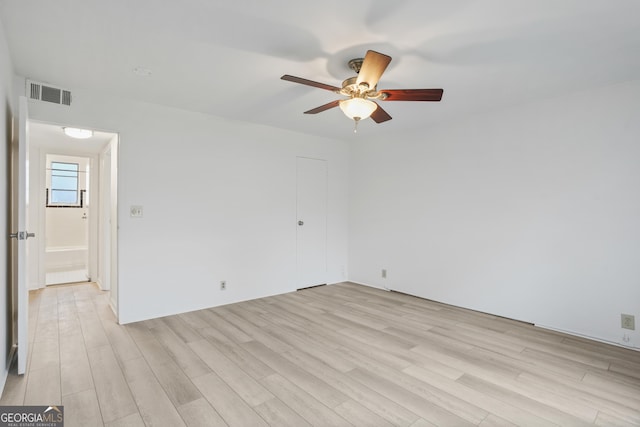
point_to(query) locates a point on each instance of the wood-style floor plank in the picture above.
(304, 404)
(344, 355)
(231, 407)
(114, 394)
(85, 409)
(200, 413)
(250, 390)
(358, 415)
(133, 420)
(181, 354)
(385, 408)
(152, 401)
(75, 370)
(522, 402)
(320, 390)
(43, 387)
(276, 413)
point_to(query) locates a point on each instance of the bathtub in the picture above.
(66, 264)
(64, 258)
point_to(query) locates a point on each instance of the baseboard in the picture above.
(113, 309)
(586, 337)
(311, 287)
(551, 328)
(382, 288)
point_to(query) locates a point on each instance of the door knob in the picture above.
(21, 235)
(300, 222)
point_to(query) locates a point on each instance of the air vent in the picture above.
(48, 93)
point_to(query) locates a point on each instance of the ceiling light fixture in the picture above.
(78, 133)
(142, 72)
(357, 109)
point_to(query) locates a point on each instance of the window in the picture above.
(64, 184)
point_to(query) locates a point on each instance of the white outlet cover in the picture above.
(628, 321)
(135, 211)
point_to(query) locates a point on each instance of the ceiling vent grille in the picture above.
(48, 93)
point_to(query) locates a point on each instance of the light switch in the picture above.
(135, 211)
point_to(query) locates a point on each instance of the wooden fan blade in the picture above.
(372, 68)
(324, 107)
(379, 115)
(307, 82)
(412, 94)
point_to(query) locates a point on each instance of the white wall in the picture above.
(6, 120)
(218, 199)
(531, 213)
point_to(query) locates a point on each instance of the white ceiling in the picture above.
(226, 57)
(53, 139)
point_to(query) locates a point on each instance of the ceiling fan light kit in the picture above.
(362, 90)
(357, 108)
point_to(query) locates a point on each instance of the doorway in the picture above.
(73, 201)
(68, 209)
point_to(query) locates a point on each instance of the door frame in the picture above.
(96, 238)
(107, 217)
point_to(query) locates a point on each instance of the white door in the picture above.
(19, 211)
(311, 236)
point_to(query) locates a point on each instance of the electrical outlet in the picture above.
(135, 211)
(628, 321)
(223, 285)
(384, 273)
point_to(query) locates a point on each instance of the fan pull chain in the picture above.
(355, 127)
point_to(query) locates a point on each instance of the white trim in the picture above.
(382, 288)
(579, 335)
(550, 328)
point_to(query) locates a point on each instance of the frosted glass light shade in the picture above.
(78, 133)
(357, 108)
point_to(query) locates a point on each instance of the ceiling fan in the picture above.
(362, 90)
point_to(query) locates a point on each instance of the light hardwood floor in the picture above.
(334, 355)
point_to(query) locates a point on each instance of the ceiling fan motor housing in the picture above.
(352, 89)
